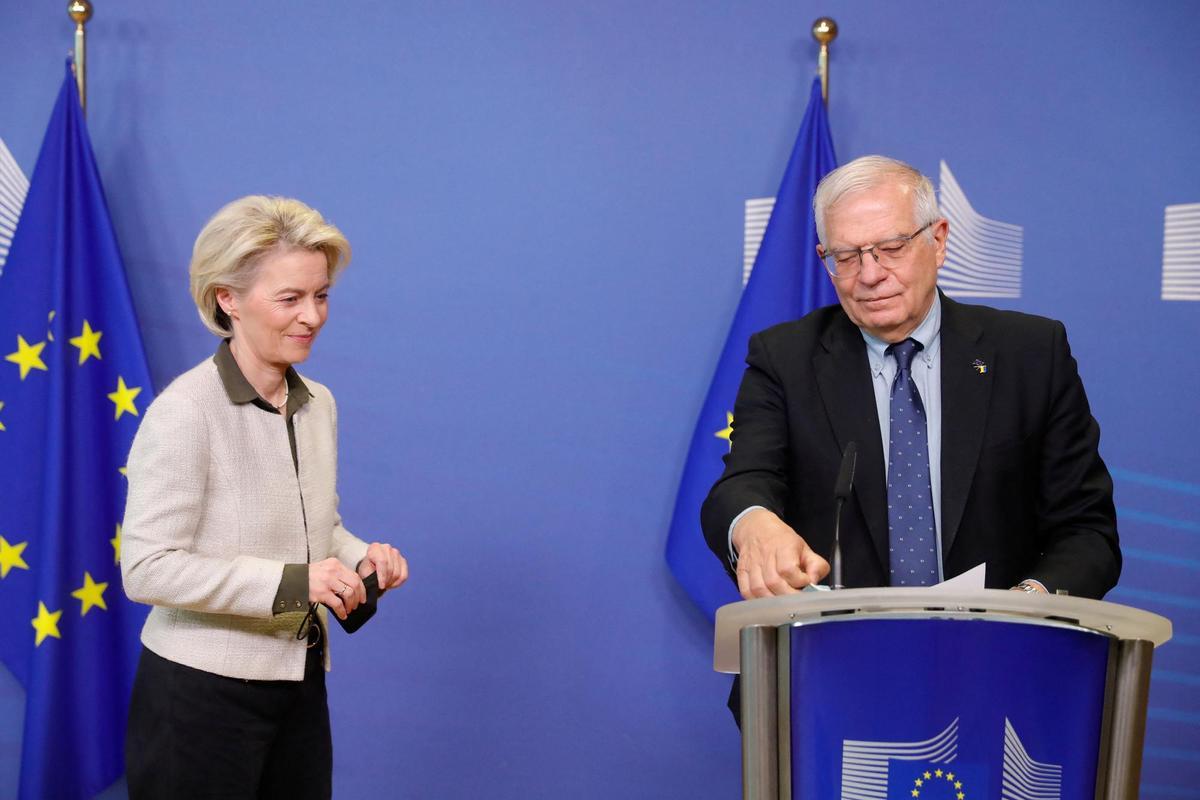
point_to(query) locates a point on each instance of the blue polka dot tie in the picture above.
(912, 539)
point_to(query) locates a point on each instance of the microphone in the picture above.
(841, 491)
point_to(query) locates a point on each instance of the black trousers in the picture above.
(193, 734)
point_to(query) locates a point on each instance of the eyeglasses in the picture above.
(888, 254)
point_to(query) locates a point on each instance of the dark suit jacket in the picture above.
(1023, 485)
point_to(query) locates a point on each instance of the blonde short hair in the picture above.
(230, 248)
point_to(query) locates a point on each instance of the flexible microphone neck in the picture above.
(841, 491)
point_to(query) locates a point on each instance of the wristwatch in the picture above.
(1028, 587)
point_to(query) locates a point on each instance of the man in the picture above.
(975, 440)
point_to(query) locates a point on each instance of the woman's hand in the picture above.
(386, 561)
(333, 583)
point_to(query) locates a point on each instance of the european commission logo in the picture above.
(983, 256)
(13, 188)
(1181, 252)
(932, 769)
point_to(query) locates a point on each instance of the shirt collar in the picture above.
(928, 333)
(240, 391)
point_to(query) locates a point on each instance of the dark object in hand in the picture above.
(359, 616)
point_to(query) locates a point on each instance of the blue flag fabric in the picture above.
(73, 385)
(786, 283)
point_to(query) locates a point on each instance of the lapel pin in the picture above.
(979, 366)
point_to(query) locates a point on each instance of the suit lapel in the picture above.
(968, 366)
(844, 380)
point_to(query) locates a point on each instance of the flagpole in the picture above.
(824, 30)
(81, 12)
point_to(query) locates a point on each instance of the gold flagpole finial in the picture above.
(824, 30)
(80, 11)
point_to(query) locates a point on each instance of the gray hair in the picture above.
(231, 246)
(868, 172)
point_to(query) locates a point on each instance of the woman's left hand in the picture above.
(386, 561)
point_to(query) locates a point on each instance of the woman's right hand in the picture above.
(333, 583)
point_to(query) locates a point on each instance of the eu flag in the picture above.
(786, 283)
(73, 384)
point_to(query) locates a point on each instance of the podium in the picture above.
(927, 693)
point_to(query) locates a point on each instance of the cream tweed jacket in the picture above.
(215, 510)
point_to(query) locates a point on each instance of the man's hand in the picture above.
(772, 558)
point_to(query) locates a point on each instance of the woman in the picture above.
(232, 531)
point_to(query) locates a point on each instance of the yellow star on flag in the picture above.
(958, 784)
(1, 409)
(90, 594)
(88, 342)
(10, 556)
(960, 796)
(124, 471)
(726, 432)
(46, 624)
(116, 544)
(938, 772)
(27, 357)
(949, 776)
(916, 792)
(123, 398)
(919, 783)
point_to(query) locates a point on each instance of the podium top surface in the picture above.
(1111, 619)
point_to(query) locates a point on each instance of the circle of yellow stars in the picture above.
(90, 595)
(937, 775)
(28, 358)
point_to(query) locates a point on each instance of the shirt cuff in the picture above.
(733, 558)
(292, 594)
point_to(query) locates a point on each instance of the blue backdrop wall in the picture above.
(546, 202)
